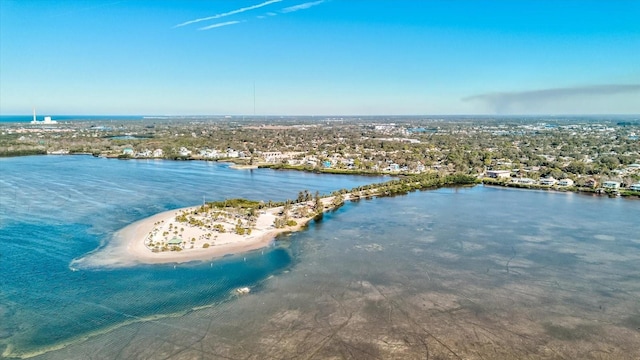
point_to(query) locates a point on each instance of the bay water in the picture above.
(478, 272)
(54, 209)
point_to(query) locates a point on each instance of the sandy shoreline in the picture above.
(200, 233)
(135, 236)
(133, 244)
(243, 167)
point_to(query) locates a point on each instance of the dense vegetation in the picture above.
(400, 186)
(410, 183)
(22, 152)
(237, 203)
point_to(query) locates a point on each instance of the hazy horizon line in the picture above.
(327, 115)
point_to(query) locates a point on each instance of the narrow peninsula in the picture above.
(219, 228)
(216, 229)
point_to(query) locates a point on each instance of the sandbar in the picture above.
(199, 233)
(141, 237)
(209, 231)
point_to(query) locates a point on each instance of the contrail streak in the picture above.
(232, 12)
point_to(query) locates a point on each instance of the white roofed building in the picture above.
(548, 181)
(565, 182)
(612, 185)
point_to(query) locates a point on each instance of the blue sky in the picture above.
(347, 57)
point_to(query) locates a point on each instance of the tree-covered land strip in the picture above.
(401, 185)
(23, 152)
(411, 183)
(575, 188)
(313, 169)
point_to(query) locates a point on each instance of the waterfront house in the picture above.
(611, 185)
(210, 153)
(157, 153)
(497, 174)
(565, 182)
(523, 181)
(272, 156)
(232, 153)
(127, 151)
(548, 181)
(184, 151)
(393, 167)
(591, 183)
(295, 162)
(144, 153)
(635, 187)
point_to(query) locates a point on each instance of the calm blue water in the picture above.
(54, 209)
(479, 272)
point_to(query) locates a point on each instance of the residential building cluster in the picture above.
(543, 149)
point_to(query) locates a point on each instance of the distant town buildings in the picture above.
(524, 152)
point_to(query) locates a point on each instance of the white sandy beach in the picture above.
(134, 243)
(138, 236)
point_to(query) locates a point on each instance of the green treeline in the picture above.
(410, 183)
(576, 188)
(24, 152)
(236, 203)
(399, 186)
(309, 168)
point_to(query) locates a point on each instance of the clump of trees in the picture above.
(279, 223)
(236, 203)
(318, 207)
(240, 229)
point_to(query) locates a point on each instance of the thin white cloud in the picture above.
(299, 7)
(220, 25)
(232, 12)
(264, 16)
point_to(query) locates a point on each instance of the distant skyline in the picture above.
(323, 57)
